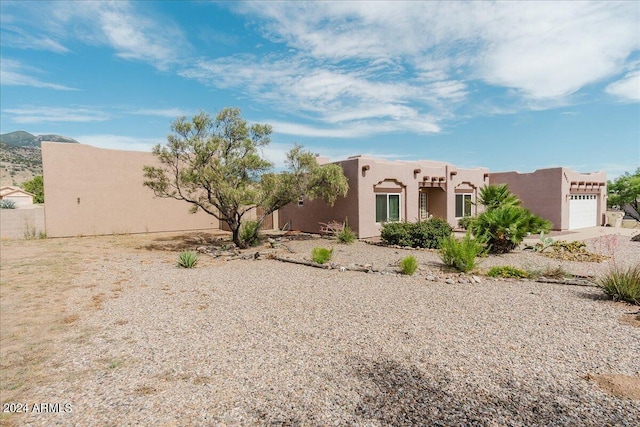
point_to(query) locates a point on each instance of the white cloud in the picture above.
(356, 129)
(544, 50)
(119, 142)
(333, 96)
(55, 114)
(14, 73)
(628, 88)
(131, 29)
(134, 36)
(171, 113)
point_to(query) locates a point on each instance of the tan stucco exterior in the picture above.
(547, 192)
(92, 191)
(369, 176)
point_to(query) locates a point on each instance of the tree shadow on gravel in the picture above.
(185, 241)
(398, 395)
(593, 296)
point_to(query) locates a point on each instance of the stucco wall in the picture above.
(368, 176)
(308, 216)
(546, 192)
(92, 191)
(21, 223)
(413, 176)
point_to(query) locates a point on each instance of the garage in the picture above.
(583, 211)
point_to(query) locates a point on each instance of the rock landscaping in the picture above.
(247, 339)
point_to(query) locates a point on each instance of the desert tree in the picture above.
(217, 165)
(625, 190)
(35, 187)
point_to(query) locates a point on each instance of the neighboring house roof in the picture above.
(13, 191)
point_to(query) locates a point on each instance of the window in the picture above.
(424, 209)
(387, 207)
(463, 205)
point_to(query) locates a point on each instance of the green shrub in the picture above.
(346, 235)
(395, 233)
(187, 259)
(7, 204)
(622, 284)
(428, 234)
(507, 271)
(460, 254)
(504, 227)
(505, 223)
(249, 233)
(321, 255)
(422, 234)
(408, 265)
(465, 222)
(495, 195)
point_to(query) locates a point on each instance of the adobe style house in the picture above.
(381, 191)
(569, 199)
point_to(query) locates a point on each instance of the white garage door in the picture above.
(583, 211)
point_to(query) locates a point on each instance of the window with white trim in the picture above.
(387, 207)
(463, 205)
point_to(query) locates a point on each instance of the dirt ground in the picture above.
(36, 282)
(35, 288)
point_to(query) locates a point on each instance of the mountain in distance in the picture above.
(25, 139)
(21, 157)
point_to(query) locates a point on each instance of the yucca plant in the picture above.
(622, 284)
(187, 259)
(346, 235)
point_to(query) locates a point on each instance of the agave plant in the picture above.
(187, 259)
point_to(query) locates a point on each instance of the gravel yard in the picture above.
(261, 342)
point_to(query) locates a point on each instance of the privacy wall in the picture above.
(93, 191)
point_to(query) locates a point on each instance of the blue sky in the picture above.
(507, 85)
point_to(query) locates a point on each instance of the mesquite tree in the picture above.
(217, 166)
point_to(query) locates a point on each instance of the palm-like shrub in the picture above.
(496, 195)
(505, 223)
(504, 227)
